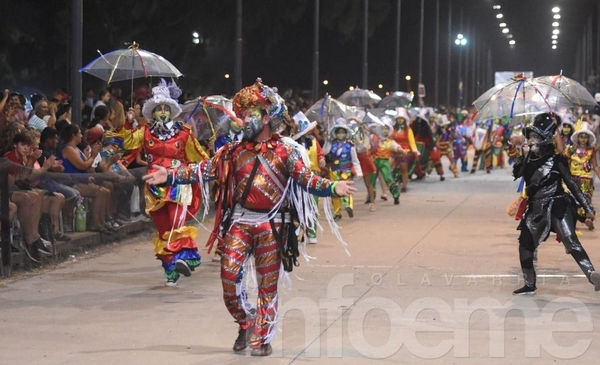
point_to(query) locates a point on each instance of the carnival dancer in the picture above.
(549, 207)
(383, 148)
(498, 132)
(461, 144)
(230, 130)
(445, 141)
(581, 155)
(483, 145)
(261, 186)
(316, 156)
(567, 128)
(362, 143)
(169, 144)
(422, 130)
(344, 163)
(515, 143)
(404, 136)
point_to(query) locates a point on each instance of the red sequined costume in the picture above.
(252, 220)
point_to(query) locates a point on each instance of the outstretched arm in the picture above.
(314, 184)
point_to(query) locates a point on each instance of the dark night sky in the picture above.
(341, 63)
(288, 61)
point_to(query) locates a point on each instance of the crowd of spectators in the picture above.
(54, 165)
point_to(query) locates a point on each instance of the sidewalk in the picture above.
(80, 242)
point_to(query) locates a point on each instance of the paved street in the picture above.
(429, 279)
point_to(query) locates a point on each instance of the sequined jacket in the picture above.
(231, 168)
(277, 163)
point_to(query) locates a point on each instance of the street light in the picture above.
(502, 25)
(499, 16)
(325, 82)
(556, 16)
(555, 24)
(555, 31)
(460, 41)
(556, 9)
(351, 88)
(380, 86)
(505, 30)
(226, 76)
(408, 78)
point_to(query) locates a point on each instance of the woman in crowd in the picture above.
(76, 161)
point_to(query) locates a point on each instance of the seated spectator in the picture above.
(118, 181)
(53, 201)
(7, 136)
(50, 118)
(76, 162)
(63, 113)
(13, 109)
(49, 146)
(102, 119)
(38, 119)
(29, 201)
(104, 99)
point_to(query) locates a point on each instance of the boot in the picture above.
(241, 342)
(595, 280)
(264, 350)
(529, 278)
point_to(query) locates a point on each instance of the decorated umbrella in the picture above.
(130, 63)
(211, 116)
(327, 110)
(573, 90)
(519, 97)
(359, 97)
(395, 100)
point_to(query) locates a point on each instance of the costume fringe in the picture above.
(272, 320)
(307, 207)
(243, 283)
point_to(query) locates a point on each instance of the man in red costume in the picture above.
(259, 183)
(169, 144)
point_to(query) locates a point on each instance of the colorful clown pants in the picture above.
(383, 168)
(346, 201)
(174, 240)
(242, 241)
(487, 157)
